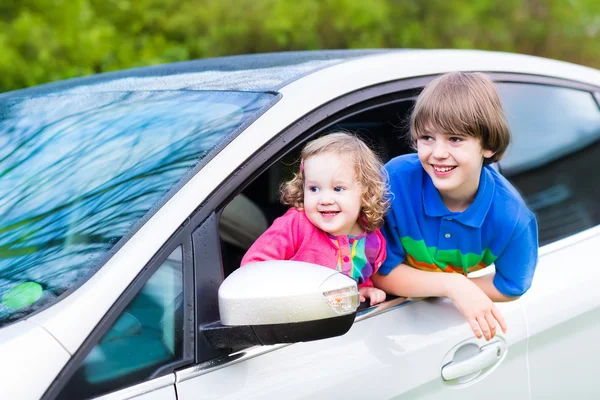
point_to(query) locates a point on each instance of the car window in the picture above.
(79, 171)
(547, 123)
(252, 211)
(552, 158)
(147, 335)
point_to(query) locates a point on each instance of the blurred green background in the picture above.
(46, 40)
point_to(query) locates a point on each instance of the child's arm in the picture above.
(471, 301)
(486, 284)
(407, 281)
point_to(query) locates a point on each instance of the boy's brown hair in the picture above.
(459, 104)
(368, 170)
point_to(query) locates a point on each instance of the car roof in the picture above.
(270, 72)
(252, 72)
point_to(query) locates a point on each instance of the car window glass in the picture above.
(147, 335)
(78, 171)
(554, 151)
(547, 123)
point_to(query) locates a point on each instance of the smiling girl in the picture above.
(338, 200)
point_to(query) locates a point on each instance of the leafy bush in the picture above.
(46, 40)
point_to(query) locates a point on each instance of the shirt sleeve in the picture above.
(276, 243)
(366, 283)
(516, 265)
(395, 253)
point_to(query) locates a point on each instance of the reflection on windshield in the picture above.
(78, 171)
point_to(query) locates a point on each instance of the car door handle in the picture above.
(488, 355)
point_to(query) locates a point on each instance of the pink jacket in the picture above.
(293, 237)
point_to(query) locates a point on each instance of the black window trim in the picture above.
(504, 77)
(597, 97)
(181, 238)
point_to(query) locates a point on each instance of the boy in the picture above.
(452, 212)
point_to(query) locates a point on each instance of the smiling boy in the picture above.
(452, 212)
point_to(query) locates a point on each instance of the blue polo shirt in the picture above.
(496, 228)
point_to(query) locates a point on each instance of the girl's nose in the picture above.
(325, 198)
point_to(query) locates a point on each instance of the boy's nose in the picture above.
(440, 149)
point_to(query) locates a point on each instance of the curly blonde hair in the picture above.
(368, 169)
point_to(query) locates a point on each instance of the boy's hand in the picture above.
(481, 313)
(376, 295)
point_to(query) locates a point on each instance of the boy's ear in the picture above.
(488, 153)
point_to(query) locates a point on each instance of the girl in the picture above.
(338, 199)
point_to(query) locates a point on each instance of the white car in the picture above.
(129, 197)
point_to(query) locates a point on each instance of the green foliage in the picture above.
(46, 40)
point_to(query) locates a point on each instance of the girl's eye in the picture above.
(313, 189)
(338, 189)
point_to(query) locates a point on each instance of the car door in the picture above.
(553, 160)
(397, 352)
(400, 349)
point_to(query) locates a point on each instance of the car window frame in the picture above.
(180, 238)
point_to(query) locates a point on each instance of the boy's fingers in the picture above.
(485, 328)
(498, 316)
(475, 327)
(491, 323)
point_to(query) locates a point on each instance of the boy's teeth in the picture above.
(443, 169)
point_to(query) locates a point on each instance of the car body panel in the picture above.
(162, 388)
(563, 310)
(30, 359)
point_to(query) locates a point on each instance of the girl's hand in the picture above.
(481, 313)
(376, 295)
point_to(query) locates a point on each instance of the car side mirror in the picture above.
(273, 302)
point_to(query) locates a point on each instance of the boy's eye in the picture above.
(425, 138)
(338, 189)
(313, 189)
(455, 139)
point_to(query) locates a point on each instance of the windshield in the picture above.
(78, 171)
